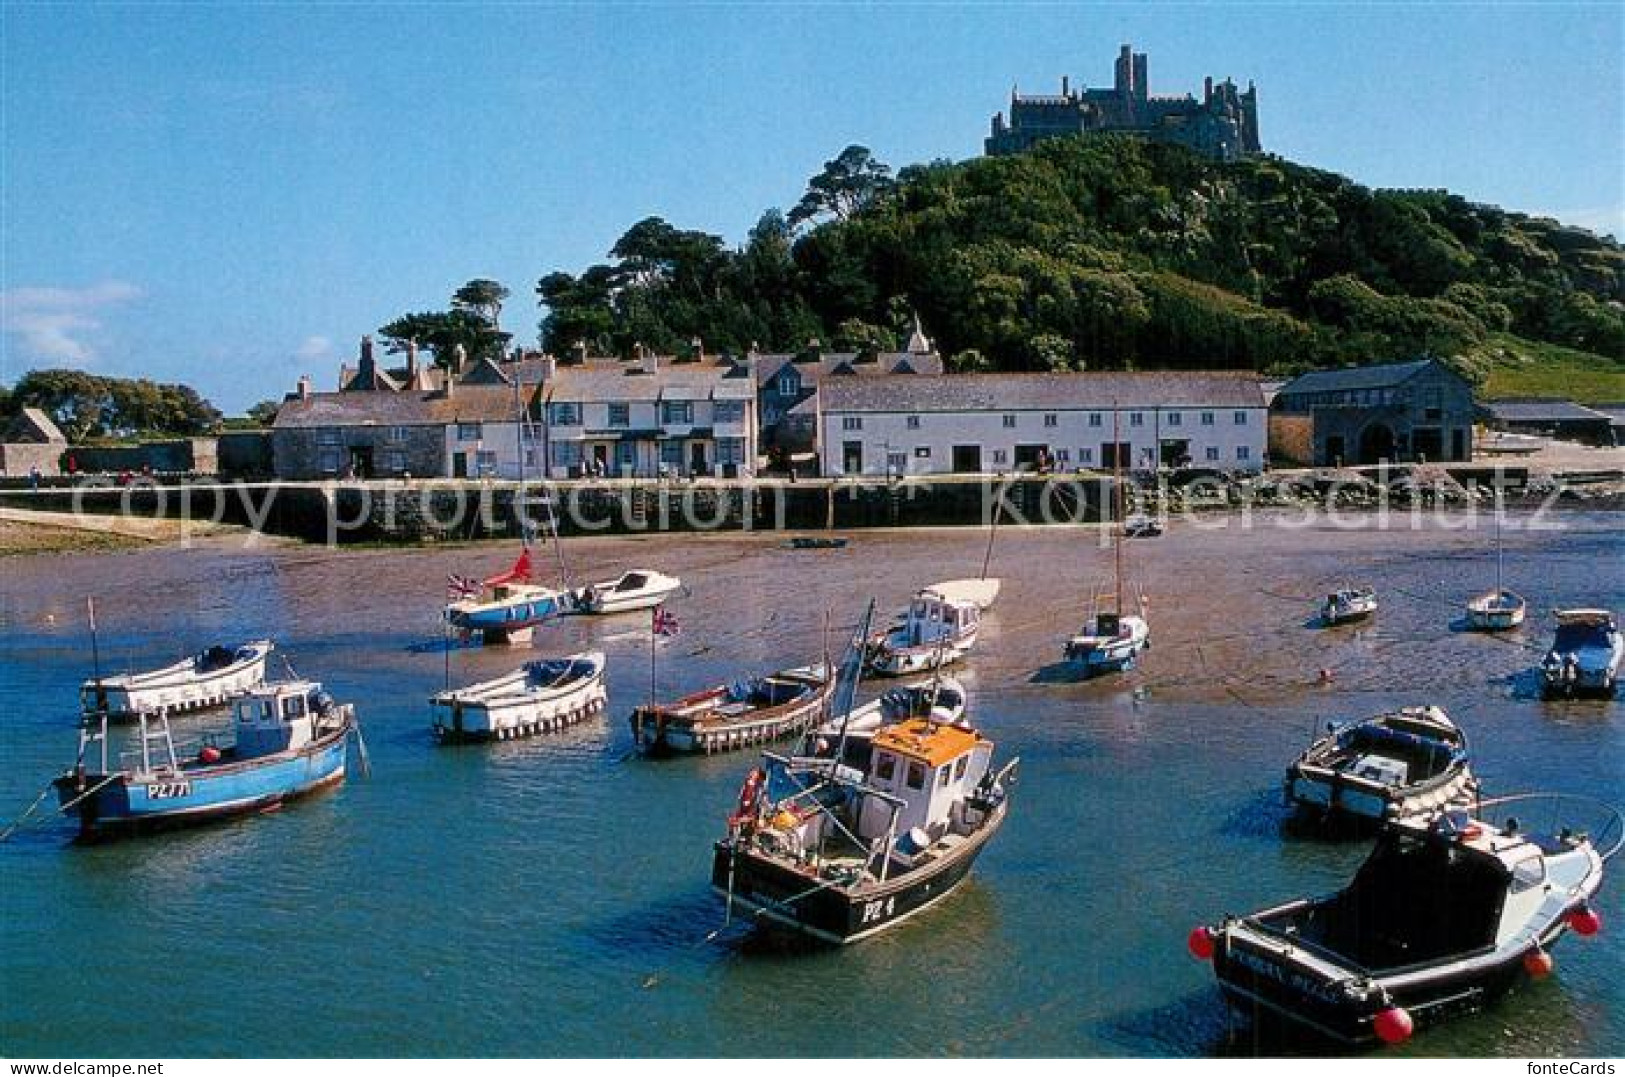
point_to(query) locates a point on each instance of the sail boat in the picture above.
(507, 607)
(1500, 609)
(1110, 639)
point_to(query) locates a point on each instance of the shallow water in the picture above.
(549, 897)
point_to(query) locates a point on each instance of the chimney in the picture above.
(579, 351)
(549, 367)
(412, 363)
(304, 387)
(1207, 90)
(459, 360)
(1066, 86)
(697, 346)
(650, 363)
(368, 370)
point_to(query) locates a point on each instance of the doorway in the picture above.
(1029, 457)
(852, 457)
(967, 459)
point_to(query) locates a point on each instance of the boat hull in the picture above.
(1329, 793)
(174, 690)
(504, 617)
(657, 733)
(125, 803)
(779, 896)
(461, 718)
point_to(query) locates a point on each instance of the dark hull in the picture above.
(1278, 995)
(779, 896)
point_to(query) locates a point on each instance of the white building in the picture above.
(649, 417)
(979, 423)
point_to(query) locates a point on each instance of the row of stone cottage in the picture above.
(848, 415)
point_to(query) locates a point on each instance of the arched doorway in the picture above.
(1376, 443)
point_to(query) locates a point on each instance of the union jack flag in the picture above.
(665, 622)
(460, 587)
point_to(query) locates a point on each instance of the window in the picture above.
(470, 431)
(1086, 456)
(922, 452)
(945, 774)
(913, 422)
(566, 453)
(293, 707)
(486, 461)
(916, 776)
(1207, 418)
(1243, 452)
(728, 411)
(885, 766)
(1173, 418)
(1063, 455)
(328, 437)
(1000, 456)
(329, 459)
(620, 415)
(1212, 452)
(897, 462)
(730, 450)
(397, 433)
(1136, 418)
(1241, 418)
(852, 422)
(626, 454)
(959, 767)
(676, 412)
(671, 452)
(1010, 422)
(1094, 418)
(394, 460)
(788, 385)
(1051, 420)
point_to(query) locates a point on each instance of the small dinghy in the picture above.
(937, 631)
(1446, 914)
(539, 697)
(290, 738)
(942, 701)
(1348, 604)
(739, 715)
(207, 679)
(812, 542)
(1495, 611)
(839, 854)
(640, 590)
(1405, 762)
(1585, 656)
(1109, 641)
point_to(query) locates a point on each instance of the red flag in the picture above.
(519, 571)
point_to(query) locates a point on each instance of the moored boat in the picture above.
(1109, 641)
(1584, 657)
(839, 854)
(630, 591)
(1498, 610)
(936, 631)
(851, 735)
(1348, 604)
(1409, 761)
(982, 592)
(208, 678)
(739, 715)
(290, 738)
(1447, 913)
(507, 607)
(540, 697)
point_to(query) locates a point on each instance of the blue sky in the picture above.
(230, 196)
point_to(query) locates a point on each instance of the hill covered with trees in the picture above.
(1107, 253)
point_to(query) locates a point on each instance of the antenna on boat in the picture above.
(856, 648)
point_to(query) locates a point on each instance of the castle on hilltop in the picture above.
(1222, 125)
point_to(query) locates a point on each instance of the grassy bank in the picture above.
(1518, 367)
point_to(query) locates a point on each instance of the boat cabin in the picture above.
(279, 717)
(930, 769)
(932, 619)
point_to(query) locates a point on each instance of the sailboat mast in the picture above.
(851, 694)
(1117, 507)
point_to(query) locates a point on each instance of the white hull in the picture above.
(1494, 613)
(1103, 654)
(647, 591)
(180, 687)
(901, 661)
(979, 593)
(514, 705)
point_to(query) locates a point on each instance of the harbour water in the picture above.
(549, 897)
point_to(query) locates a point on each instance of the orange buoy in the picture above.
(1200, 943)
(1393, 1025)
(1538, 963)
(1585, 921)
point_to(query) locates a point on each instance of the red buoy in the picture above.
(1200, 943)
(1585, 921)
(209, 754)
(1393, 1025)
(1538, 963)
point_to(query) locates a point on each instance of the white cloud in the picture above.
(60, 325)
(314, 348)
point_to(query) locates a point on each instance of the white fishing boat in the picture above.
(539, 697)
(207, 679)
(936, 631)
(1500, 609)
(1586, 654)
(639, 590)
(1348, 604)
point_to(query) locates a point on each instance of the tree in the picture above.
(847, 184)
(87, 405)
(481, 297)
(442, 331)
(264, 413)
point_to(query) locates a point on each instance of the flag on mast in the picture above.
(664, 622)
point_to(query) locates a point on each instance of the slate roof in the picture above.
(844, 364)
(602, 380)
(1535, 410)
(1045, 392)
(32, 426)
(1380, 376)
(467, 404)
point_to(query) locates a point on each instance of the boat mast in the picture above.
(993, 528)
(1117, 508)
(101, 691)
(1498, 587)
(851, 694)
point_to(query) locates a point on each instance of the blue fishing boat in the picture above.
(290, 738)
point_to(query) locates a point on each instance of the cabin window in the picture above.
(293, 707)
(959, 767)
(1528, 874)
(885, 767)
(945, 774)
(916, 776)
(267, 712)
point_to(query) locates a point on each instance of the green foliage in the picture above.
(1107, 253)
(264, 413)
(471, 323)
(90, 406)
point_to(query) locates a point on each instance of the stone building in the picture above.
(982, 423)
(30, 442)
(1414, 411)
(1222, 125)
(1553, 418)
